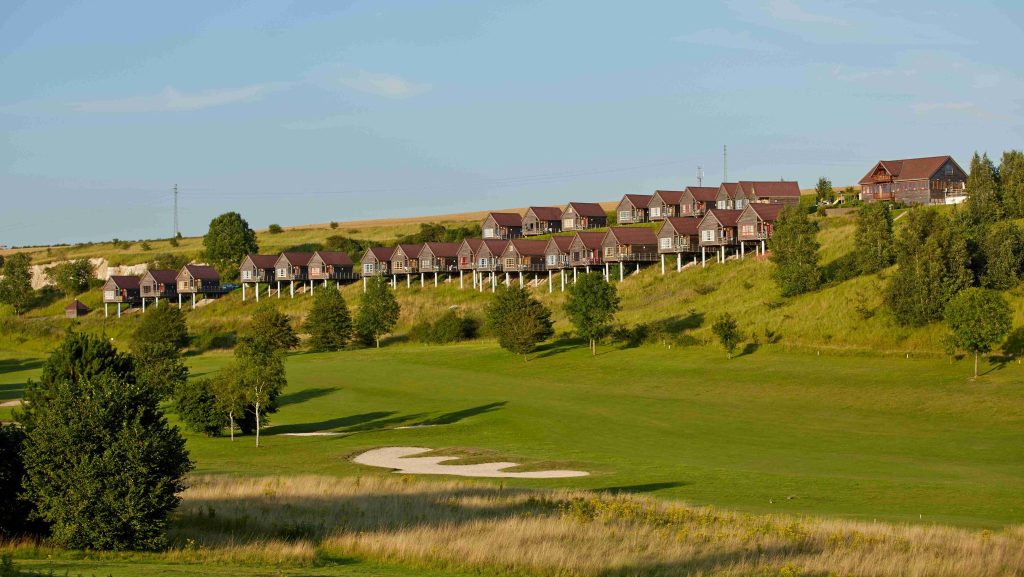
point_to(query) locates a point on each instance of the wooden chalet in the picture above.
(931, 180)
(585, 250)
(405, 260)
(771, 191)
(718, 232)
(120, 290)
(196, 279)
(256, 269)
(158, 284)
(376, 261)
(438, 258)
(488, 261)
(556, 252)
(632, 209)
(678, 235)
(291, 267)
(730, 196)
(467, 253)
(332, 265)
(664, 204)
(629, 244)
(755, 225)
(542, 220)
(523, 255)
(697, 200)
(75, 309)
(583, 215)
(502, 225)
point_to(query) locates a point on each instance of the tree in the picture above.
(521, 333)
(157, 344)
(794, 246)
(103, 466)
(823, 191)
(71, 277)
(378, 311)
(227, 242)
(14, 510)
(983, 206)
(978, 319)
(275, 229)
(261, 378)
(1011, 180)
(16, 284)
(873, 238)
(728, 333)
(229, 396)
(1004, 256)
(271, 330)
(591, 307)
(196, 403)
(328, 323)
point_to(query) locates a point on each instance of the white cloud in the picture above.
(378, 83)
(723, 38)
(173, 100)
(790, 11)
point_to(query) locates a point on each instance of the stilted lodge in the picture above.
(120, 290)
(697, 200)
(291, 267)
(756, 224)
(502, 225)
(524, 257)
(632, 209)
(556, 258)
(718, 233)
(930, 180)
(405, 260)
(158, 284)
(467, 259)
(257, 269)
(488, 262)
(439, 258)
(678, 235)
(331, 265)
(730, 196)
(198, 279)
(376, 262)
(583, 216)
(664, 204)
(542, 220)
(628, 245)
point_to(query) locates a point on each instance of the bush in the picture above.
(333, 224)
(197, 406)
(450, 327)
(14, 511)
(275, 229)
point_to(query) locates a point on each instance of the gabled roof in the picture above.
(726, 217)
(296, 258)
(771, 188)
(333, 258)
(633, 235)
(126, 282)
(545, 212)
(262, 260)
(202, 272)
(529, 247)
(910, 168)
(590, 239)
(77, 305)
(766, 211)
(472, 243)
(167, 276)
(732, 189)
(494, 246)
(410, 250)
(562, 243)
(638, 200)
(668, 196)
(506, 218)
(442, 249)
(682, 225)
(703, 193)
(380, 252)
(587, 209)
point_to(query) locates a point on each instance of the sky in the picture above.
(307, 112)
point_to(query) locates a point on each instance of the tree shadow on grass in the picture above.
(12, 391)
(645, 487)
(339, 425)
(381, 420)
(749, 349)
(556, 347)
(456, 416)
(304, 395)
(15, 365)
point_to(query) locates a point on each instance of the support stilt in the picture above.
(278, 289)
(679, 262)
(620, 271)
(106, 309)
(193, 300)
(291, 288)
(364, 284)
(461, 285)
(144, 303)
(743, 251)
(243, 297)
(179, 301)
(118, 310)
(606, 272)
(561, 275)
(257, 292)
(435, 279)
(573, 275)
(551, 286)
(520, 279)
(662, 264)
(703, 257)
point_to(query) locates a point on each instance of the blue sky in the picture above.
(299, 112)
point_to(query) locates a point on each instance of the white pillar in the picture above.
(743, 250)
(278, 289)
(679, 262)
(662, 264)
(179, 301)
(494, 282)
(243, 298)
(561, 275)
(421, 280)
(156, 302)
(721, 250)
(762, 247)
(364, 284)
(551, 286)
(193, 300)
(621, 266)
(605, 272)
(573, 275)
(291, 288)
(435, 279)
(257, 293)
(118, 310)
(637, 266)
(144, 303)
(461, 284)
(106, 309)
(520, 279)
(310, 288)
(703, 257)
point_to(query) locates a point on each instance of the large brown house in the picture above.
(291, 267)
(730, 196)
(405, 260)
(198, 279)
(678, 235)
(931, 180)
(623, 244)
(158, 284)
(664, 204)
(438, 258)
(502, 225)
(467, 258)
(327, 265)
(696, 200)
(256, 269)
(632, 208)
(556, 257)
(542, 220)
(771, 191)
(585, 250)
(523, 255)
(718, 232)
(488, 261)
(376, 261)
(755, 225)
(120, 290)
(583, 215)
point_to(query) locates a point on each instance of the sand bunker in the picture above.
(401, 459)
(314, 434)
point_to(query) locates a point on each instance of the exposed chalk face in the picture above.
(401, 459)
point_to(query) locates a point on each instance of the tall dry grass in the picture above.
(474, 527)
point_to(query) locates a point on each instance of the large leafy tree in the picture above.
(16, 284)
(978, 319)
(259, 364)
(873, 238)
(518, 320)
(1004, 256)
(328, 323)
(378, 312)
(229, 395)
(1011, 181)
(14, 510)
(591, 306)
(794, 246)
(227, 242)
(271, 330)
(157, 344)
(823, 191)
(71, 277)
(196, 404)
(983, 206)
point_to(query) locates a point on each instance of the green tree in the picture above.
(16, 284)
(823, 191)
(794, 246)
(196, 404)
(14, 510)
(728, 333)
(229, 395)
(71, 277)
(983, 205)
(261, 377)
(328, 323)
(518, 320)
(1011, 180)
(873, 238)
(103, 466)
(378, 312)
(271, 330)
(227, 242)
(275, 229)
(1004, 256)
(521, 333)
(157, 344)
(591, 306)
(978, 319)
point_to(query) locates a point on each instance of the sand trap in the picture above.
(14, 403)
(401, 459)
(313, 434)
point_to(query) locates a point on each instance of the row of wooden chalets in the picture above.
(156, 284)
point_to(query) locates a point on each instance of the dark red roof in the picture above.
(410, 250)
(682, 224)
(562, 243)
(767, 211)
(334, 258)
(380, 252)
(495, 246)
(669, 196)
(263, 260)
(76, 305)
(506, 218)
(587, 209)
(297, 258)
(590, 239)
(732, 189)
(126, 282)
(529, 247)
(202, 272)
(443, 249)
(165, 276)
(546, 212)
(910, 168)
(638, 200)
(472, 243)
(724, 216)
(633, 234)
(703, 193)
(771, 188)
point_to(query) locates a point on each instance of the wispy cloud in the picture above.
(966, 108)
(724, 38)
(173, 100)
(378, 83)
(790, 11)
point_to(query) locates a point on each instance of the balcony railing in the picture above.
(633, 257)
(587, 261)
(532, 267)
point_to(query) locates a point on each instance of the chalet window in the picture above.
(510, 262)
(949, 170)
(490, 233)
(625, 215)
(722, 204)
(665, 242)
(552, 259)
(483, 263)
(748, 229)
(246, 274)
(609, 251)
(707, 235)
(655, 211)
(367, 268)
(282, 272)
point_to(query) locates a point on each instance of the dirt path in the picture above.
(401, 459)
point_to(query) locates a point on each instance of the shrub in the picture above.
(728, 333)
(329, 324)
(145, 246)
(275, 229)
(333, 224)
(14, 511)
(197, 406)
(450, 327)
